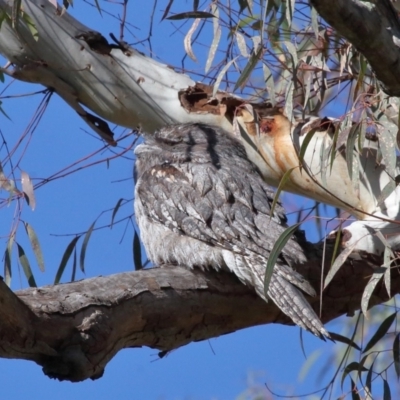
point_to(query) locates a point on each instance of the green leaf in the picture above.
(352, 162)
(116, 208)
(65, 258)
(1, 108)
(137, 252)
(15, 13)
(251, 64)
(305, 144)
(288, 10)
(370, 287)
(386, 192)
(396, 354)
(31, 26)
(269, 83)
(289, 100)
(244, 4)
(386, 390)
(191, 14)
(368, 381)
(23, 259)
(314, 22)
(35, 245)
(281, 186)
(342, 257)
(293, 52)
(167, 8)
(74, 266)
(84, 247)
(221, 76)
(343, 339)
(380, 332)
(354, 391)
(275, 252)
(353, 366)
(7, 261)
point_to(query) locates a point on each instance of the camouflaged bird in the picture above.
(201, 203)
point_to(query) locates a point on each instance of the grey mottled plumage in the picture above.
(200, 202)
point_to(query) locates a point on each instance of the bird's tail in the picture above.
(293, 303)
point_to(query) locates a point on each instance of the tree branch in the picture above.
(374, 29)
(73, 330)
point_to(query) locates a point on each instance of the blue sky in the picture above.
(222, 368)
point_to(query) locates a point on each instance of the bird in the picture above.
(200, 202)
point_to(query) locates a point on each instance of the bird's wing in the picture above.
(225, 207)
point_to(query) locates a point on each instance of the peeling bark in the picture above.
(73, 330)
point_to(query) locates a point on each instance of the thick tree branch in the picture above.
(74, 329)
(374, 29)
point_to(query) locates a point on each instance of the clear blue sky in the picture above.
(222, 368)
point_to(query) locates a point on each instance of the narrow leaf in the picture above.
(221, 76)
(244, 4)
(251, 64)
(369, 289)
(368, 381)
(216, 38)
(187, 41)
(380, 332)
(116, 208)
(137, 252)
(281, 186)
(343, 339)
(6, 183)
(386, 277)
(64, 259)
(7, 261)
(31, 26)
(35, 245)
(351, 161)
(314, 22)
(269, 84)
(342, 257)
(353, 366)
(27, 188)
(241, 43)
(289, 100)
(166, 11)
(386, 390)
(191, 14)
(354, 391)
(23, 259)
(305, 144)
(386, 192)
(74, 266)
(293, 52)
(396, 354)
(15, 13)
(275, 253)
(84, 247)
